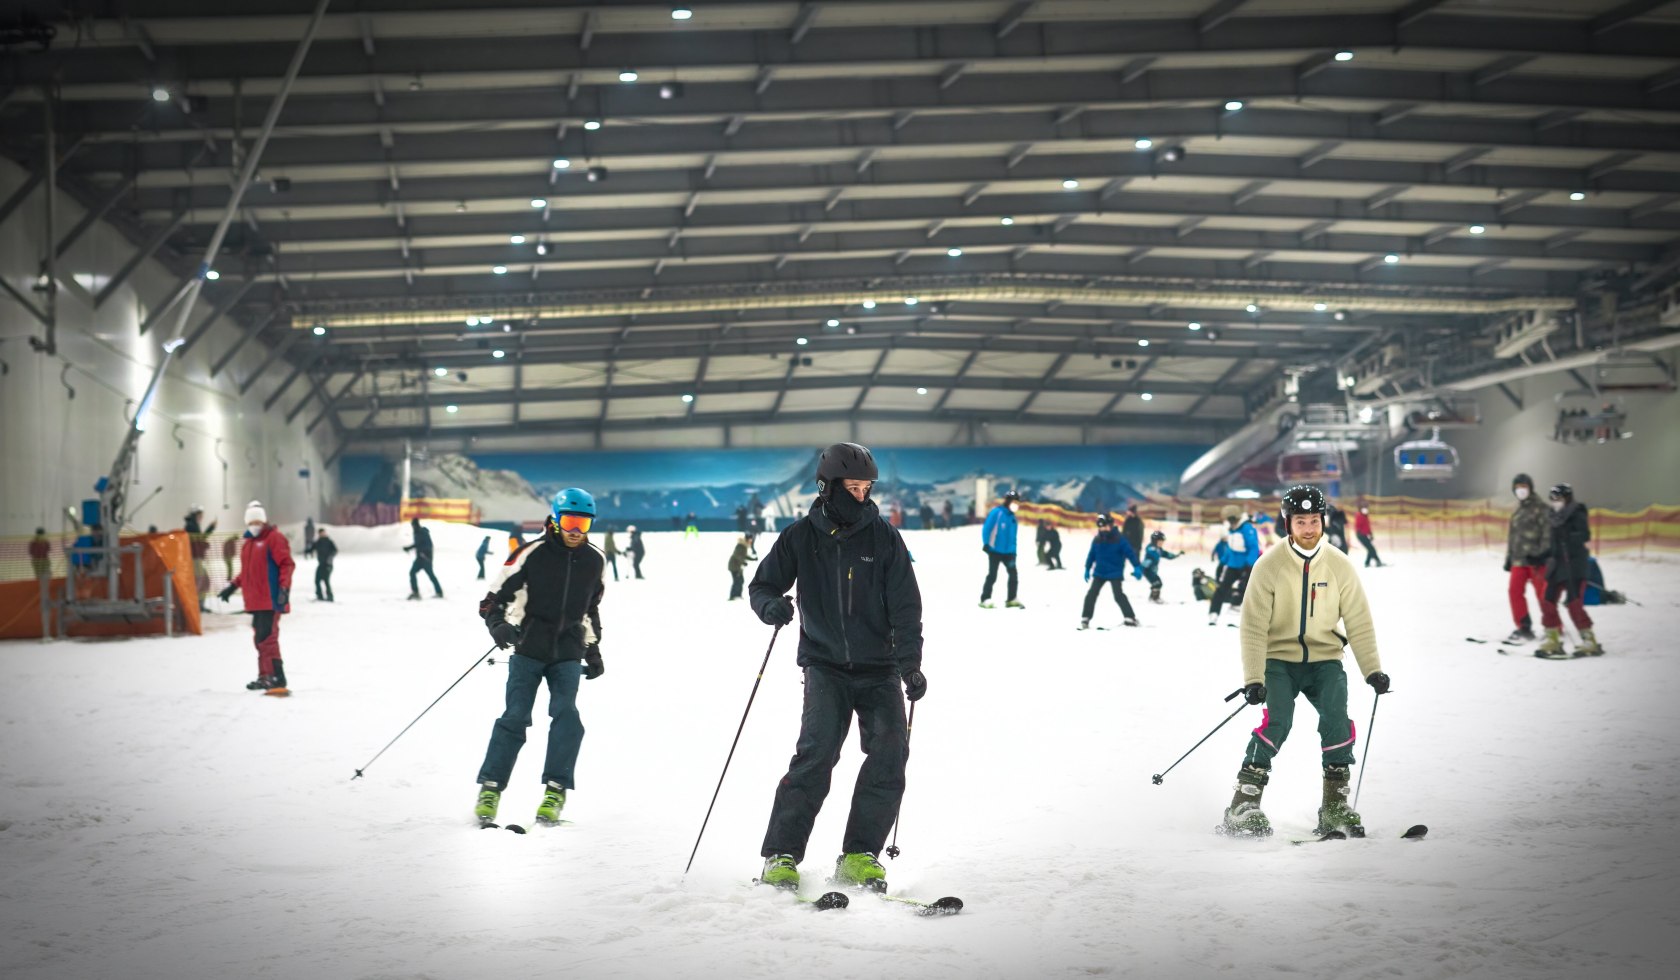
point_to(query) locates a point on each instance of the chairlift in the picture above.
(1310, 466)
(1586, 417)
(1425, 459)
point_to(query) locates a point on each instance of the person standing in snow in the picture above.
(860, 637)
(609, 548)
(265, 583)
(326, 549)
(1107, 558)
(1362, 530)
(422, 548)
(997, 540)
(1566, 574)
(636, 550)
(737, 567)
(1152, 556)
(1290, 646)
(40, 555)
(548, 608)
(1528, 547)
(482, 553)
(198, 541)
(308, 535)
(230, 547)
(1042, 539)
(1236, 553)
(691, 525)
(1055, 548)
(1133, 529)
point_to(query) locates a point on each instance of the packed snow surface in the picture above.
(158, 820)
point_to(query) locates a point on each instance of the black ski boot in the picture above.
(1244, 818)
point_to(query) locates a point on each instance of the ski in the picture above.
(822, 903)
(1414, 832)
(949, 905)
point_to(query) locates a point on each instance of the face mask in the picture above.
(1556, 504)
(1521, 492)
(844, 508)
(254, 529)
(1014, 507)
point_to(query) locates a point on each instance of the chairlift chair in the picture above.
(1425, 459)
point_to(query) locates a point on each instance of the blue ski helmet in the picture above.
(574, 500)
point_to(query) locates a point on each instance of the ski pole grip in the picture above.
(1233, 694)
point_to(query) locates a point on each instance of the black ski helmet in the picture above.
(1302, 499)
(1011, 496)
(1562, 491)
(1103, 520)
(1158, 536)
(1522, 480)
(844, 461)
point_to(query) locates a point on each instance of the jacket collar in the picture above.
(829, 529)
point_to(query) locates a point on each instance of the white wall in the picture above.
(1625, 475)
(53, 448)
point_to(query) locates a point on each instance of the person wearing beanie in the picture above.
(265, 583)
(1528, 546)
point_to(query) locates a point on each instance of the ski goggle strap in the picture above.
(574, 522)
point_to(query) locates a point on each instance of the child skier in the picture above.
(265, 583)
(1290, 646)
(860, 636)
(1109, 553)
(1152, 556)
(547, 608)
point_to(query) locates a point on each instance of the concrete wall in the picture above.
(53, 447)
(1624, 475)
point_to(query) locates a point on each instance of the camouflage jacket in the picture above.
(1530, 538)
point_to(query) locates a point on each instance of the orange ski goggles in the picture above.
(578, 523)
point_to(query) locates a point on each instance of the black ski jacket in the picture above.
(859, 605)
(325, 551)
(1570, 534)
(553, 594)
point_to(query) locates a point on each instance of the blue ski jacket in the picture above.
(1240, 548)
(1152, 556)
(998, 533)
(1110, 551)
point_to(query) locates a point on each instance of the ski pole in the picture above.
(909, 726)
(738, 729)
(1156, 779)
(1367, 753)
(422, 714)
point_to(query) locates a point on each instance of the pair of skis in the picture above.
(949, 905)
(1414, 832)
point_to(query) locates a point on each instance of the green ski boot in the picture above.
(1551, 648)
(861, 871)
(553, 801)
(1244, 818)
(489, 797)
(1014, 604)
(781, 871)
(1335, 814)
(1589, 646)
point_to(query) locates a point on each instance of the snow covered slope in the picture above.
(158, 821)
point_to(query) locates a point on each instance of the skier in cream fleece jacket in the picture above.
(1301, 597)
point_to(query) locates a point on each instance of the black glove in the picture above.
(778, 612)
(592, 666)
(282, 600)
(1507, 563)
(1378, 682)
(915, 685)
(505, 634)
(486, 605)
(1255, 693)
(227, 593)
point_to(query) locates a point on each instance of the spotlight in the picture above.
(921, 391)
(498, 354)
(1212, 335)
(869, 304)
(1391, 258)
(1069, 184)
(1344, 56)
(441, 372)
(472, 321)
(1146, 396)
(160, 94)
(1478, 229)
(831, 323)
(955, 253)
(452, 409)
(592, 124)
(542, 248)
(539, 202)
(911, 301)
(1577, 195)
(1341, 314)
(1143, 341)
(688, 399)
(1235, 105)
(507, 328)
(1321, 307)
(212, 275)
(597, 174)
(671, 90)
(517, 239)
(681, 13)
(320, 331)
(802, 341)
(851, 328)
(1193, 325)
(628, 75)
(500, 270)
(1143, 142)
(1173, 154)
(1252, 308)
(1006, 220)
(561, 163)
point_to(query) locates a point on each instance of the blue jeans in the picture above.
(565, 732)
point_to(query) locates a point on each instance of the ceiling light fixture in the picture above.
(1006, 220)
(1194, 325)
(452, 409)
(921, 391)
(1143, 142)
(869, 304)
(561, 163)
(160, 94)
(320, 331)
(440, 372)
(628, 75)
(1478, 229)
(681, 13)
(1344, 56)
(542, 248)
(688, 399)
(1146, 396)
(592, 124)
(212, 275)
(500, 270)
(539, 202)
(1321, 307)
(1235, 105)
(831, 322)
(954, 252)
(472, 321)
(1391, 258)
(1577, 195)
(597, 174)
(517, 239)
(1143, 341)
(802, 341)
(911, 301)
(670, 90)
(1069, 184)
(498, 354)
(1252, 308)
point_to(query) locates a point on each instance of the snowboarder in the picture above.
(1362, 529)
(997, 540)
(860, 637)
(482, 553)
(1107, 558)
(40, 555)
(636, 550)
(265, 583)
(737, 565)
(1236, 553)
(1528, 546)
(609, 548)
(1290, 646)
(422, 548)
(1566, 572)
(1152, 556)
(1133, 529)
(326, 549)
(198, 541)
(547, 607)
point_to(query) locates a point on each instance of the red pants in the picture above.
(1521, 576)
(265, 633)
(1577, 609)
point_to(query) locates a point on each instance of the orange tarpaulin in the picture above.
(163, 554)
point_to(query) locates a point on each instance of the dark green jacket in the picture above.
(1530, 539)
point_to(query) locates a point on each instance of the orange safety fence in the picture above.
(168, 553)
(457, 510)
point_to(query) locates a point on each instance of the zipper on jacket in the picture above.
(840, 601)
(565, 593)
(1306, 580)
(851, 590)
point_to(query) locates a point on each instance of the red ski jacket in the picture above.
(265, 568)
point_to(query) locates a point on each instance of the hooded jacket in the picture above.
(553, 594)
(265, 569)
(1240, 547)
(859, 605)
(1529, 541)
(1570, 531)
(1109, 553)
(1293, 606)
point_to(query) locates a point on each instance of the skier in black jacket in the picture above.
(860, 636)
(1566, 572)
(548, 608)
(422, 548)
(325, 550)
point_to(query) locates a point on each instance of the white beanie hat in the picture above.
(254, 513)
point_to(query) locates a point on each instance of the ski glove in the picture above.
(592, 666)
(1137, 573)
(505, 634)
(1378, 682)
(1255, 693)
(915, 685)
(1507, 563)
(1087, 575)
(226, 593)
(282, 600)
(778, 611)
